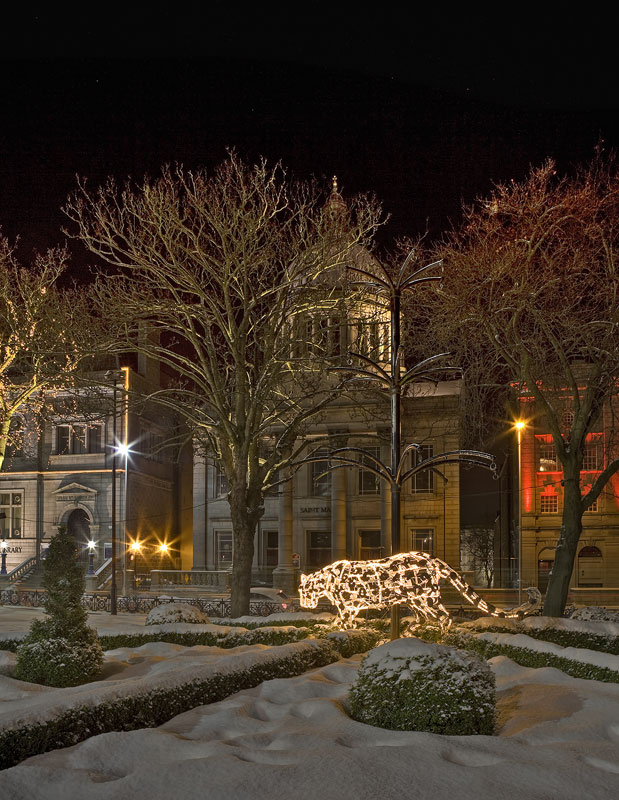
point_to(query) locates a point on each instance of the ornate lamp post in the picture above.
(135, 549)
(519, 425)
(91, 557)
(3, 546)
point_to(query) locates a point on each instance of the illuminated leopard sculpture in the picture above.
(410, 579)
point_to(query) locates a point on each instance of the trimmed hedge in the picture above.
(149, 709)
(207, 638)
(530, 658)
(563, 637)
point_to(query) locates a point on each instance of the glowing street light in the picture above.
(519, 425)
(91, 557)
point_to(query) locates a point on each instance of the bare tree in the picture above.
(44, 338)
(531, 278)
(222, 268)
(478, 545)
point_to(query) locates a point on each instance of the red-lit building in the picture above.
(540, 504)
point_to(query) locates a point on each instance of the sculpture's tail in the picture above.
(534, 597)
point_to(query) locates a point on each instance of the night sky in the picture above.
(425, 110)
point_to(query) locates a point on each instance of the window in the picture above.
(320, 476)
(318, 549)
(371, 339)
(319, 335)
(423, 481)
(547, 455)
(549, 502)
(422, 540)
(369, 483)
(15, 443)
(593, 456)
(221, 486)
(369, 545)
(271, 550)
(11, 504)
(585, 488)
(151, 443)
(223, 549)
(79, 438)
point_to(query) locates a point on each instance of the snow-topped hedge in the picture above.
(527, 654)
(68, 726)
(176, 612)
(593, 614)
(599, 635)
(413, 685)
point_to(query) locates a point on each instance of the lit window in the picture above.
(423, 481)
(422, 540)
(548, 461)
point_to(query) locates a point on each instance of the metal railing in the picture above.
(21, 570)
(141, 604)
(200, 579)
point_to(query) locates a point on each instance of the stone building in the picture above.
(320, 516)
(63, 473)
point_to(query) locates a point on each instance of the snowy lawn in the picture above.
(558, 737)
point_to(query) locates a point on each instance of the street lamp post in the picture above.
(91, 557)
(3, 547)
(136, 549)
(519, 425)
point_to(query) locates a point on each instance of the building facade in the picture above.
(541, 504)
(100, 467)
(319, 516)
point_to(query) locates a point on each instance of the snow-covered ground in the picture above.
(558, 737)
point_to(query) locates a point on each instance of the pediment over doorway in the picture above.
(74, 491)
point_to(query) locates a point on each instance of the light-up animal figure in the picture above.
(410, 579)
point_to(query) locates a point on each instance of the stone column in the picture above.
(338, 501)
(200, 511)
(284, 574)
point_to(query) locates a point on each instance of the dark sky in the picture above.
(424, 109)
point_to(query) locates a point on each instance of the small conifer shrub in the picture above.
(61, 650)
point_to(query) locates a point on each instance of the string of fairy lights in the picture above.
(411, 579)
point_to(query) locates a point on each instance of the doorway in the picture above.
(78, 526)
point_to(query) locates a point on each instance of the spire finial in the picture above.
(334, 179)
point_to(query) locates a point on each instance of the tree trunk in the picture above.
(567, 546)
(4, 436)
(245, 518)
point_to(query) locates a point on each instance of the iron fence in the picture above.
(142, 604)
